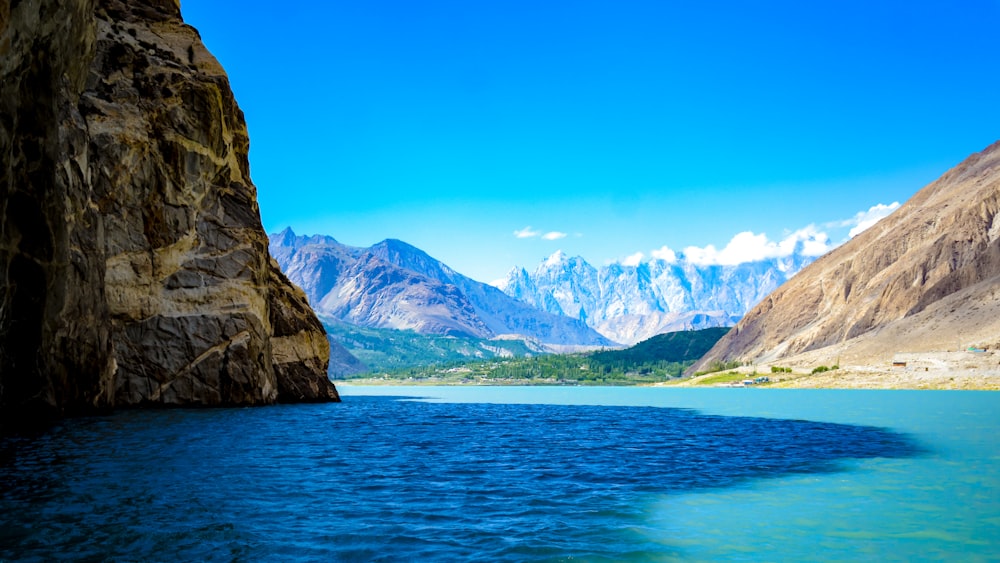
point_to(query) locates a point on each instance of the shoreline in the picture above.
(844, 378)
(959, 370)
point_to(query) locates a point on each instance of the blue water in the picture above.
(518, 474)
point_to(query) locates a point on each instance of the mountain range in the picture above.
(923, 278)
(563, 305)
(630, 303)
(395, 285)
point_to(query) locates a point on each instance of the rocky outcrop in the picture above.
(926, 278)
(299, 346)
(133, 265)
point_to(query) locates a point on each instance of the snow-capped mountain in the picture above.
(629, 303)
(395, 285)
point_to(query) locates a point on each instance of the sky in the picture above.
(491, 133)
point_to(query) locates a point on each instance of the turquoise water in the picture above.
(517, 474)
(940, 505)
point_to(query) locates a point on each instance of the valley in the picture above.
(662, 358)
(922, 283)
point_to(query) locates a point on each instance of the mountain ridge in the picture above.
(393, 284)
(630, 303)
(925, 278)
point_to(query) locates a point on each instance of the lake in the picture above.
(518, 474)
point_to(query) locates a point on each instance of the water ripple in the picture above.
(379, 479)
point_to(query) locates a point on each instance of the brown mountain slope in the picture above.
(926, 278)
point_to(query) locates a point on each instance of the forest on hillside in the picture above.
(658, 359)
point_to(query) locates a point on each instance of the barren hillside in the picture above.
(924, 279)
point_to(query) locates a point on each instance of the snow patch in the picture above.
(558, 257)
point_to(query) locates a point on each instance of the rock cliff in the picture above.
(133, 265)
(926, 278)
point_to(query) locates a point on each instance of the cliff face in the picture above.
(926, 278)
(133, 265)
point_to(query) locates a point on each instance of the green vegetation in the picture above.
(387, 350)
(776, 369)
(729, 377)
(718, 365)
(821, 369)
(671, 347)
(554, 369)
(658, 359)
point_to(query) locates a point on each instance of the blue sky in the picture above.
(614, 127)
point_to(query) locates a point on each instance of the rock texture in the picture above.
(395, 285)
(924, 279)
(133, 265)
(300, 349)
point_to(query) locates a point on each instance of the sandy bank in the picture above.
(926, 370)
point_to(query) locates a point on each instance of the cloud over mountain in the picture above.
(635, 298)
(750, 247)
(865, 219)
(640, 295)
(747, 246)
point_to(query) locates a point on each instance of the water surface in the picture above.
(517, 474)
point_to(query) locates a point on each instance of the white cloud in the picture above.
(633, 260)
(664, 253)
(744, 247)
(813, 242)
(528, 232)
(750, 247)
(865, 219)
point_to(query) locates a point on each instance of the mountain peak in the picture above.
(288, 238)
(558, 257)
(394, 284)
(398, 246)
(405, 255)
(284, 238)
(627, 303)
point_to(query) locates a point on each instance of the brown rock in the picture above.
(133, 265)
(300, 349)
